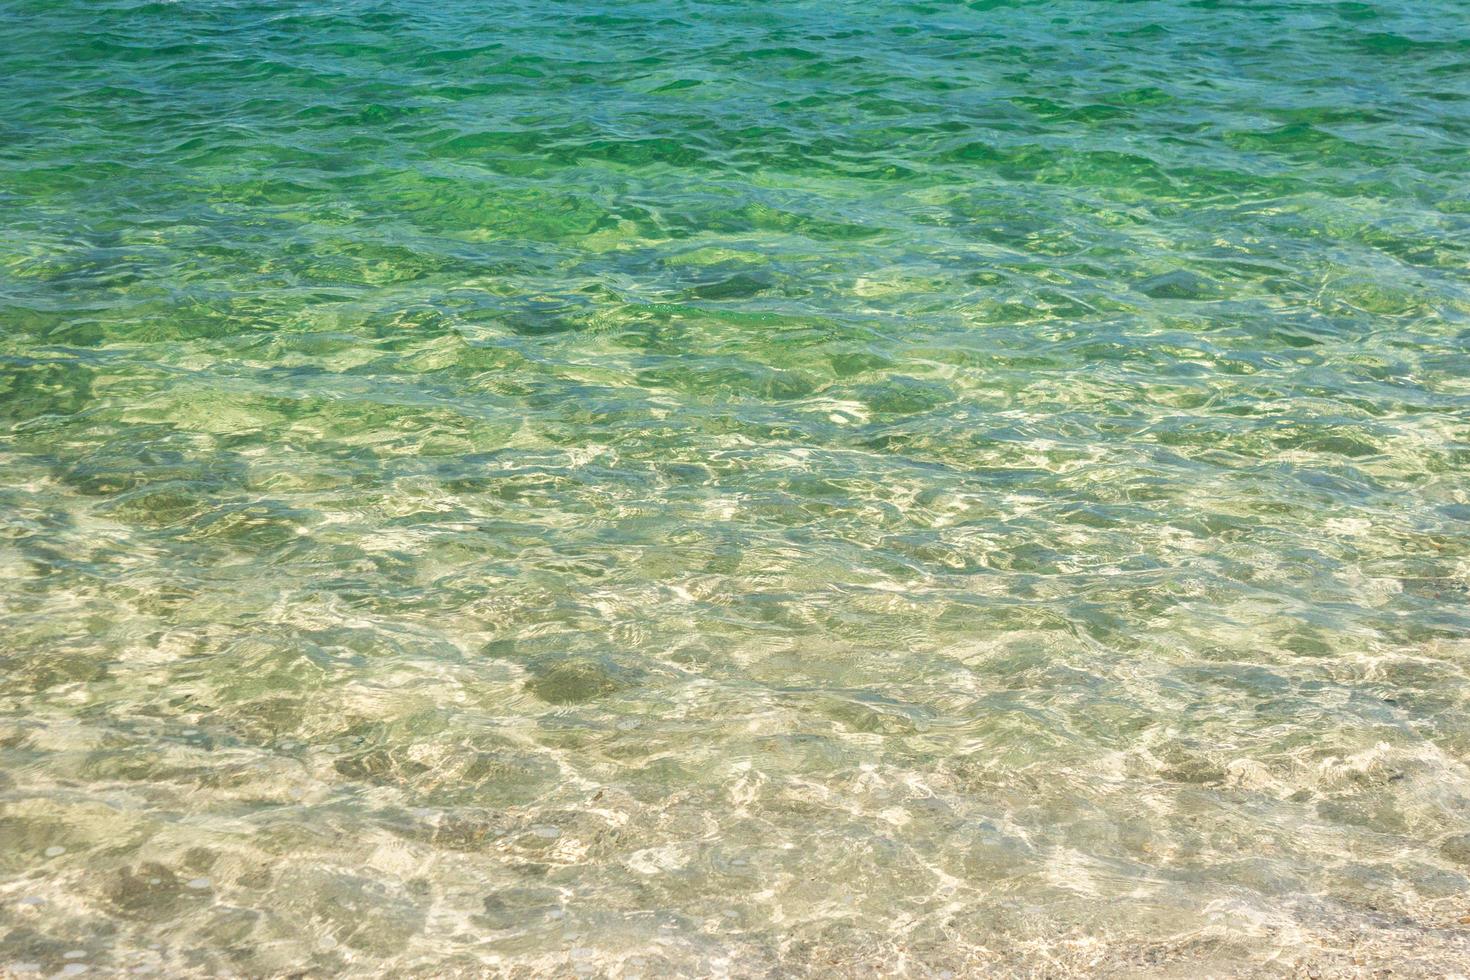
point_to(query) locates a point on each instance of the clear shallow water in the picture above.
(683, 488)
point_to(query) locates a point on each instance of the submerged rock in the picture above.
(575, 681)
(1457, 849)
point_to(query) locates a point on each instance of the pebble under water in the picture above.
(674, 488)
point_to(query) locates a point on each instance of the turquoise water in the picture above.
(732, 488)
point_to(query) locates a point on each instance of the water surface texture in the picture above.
(734, 488)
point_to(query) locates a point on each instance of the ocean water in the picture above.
(738, 489)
